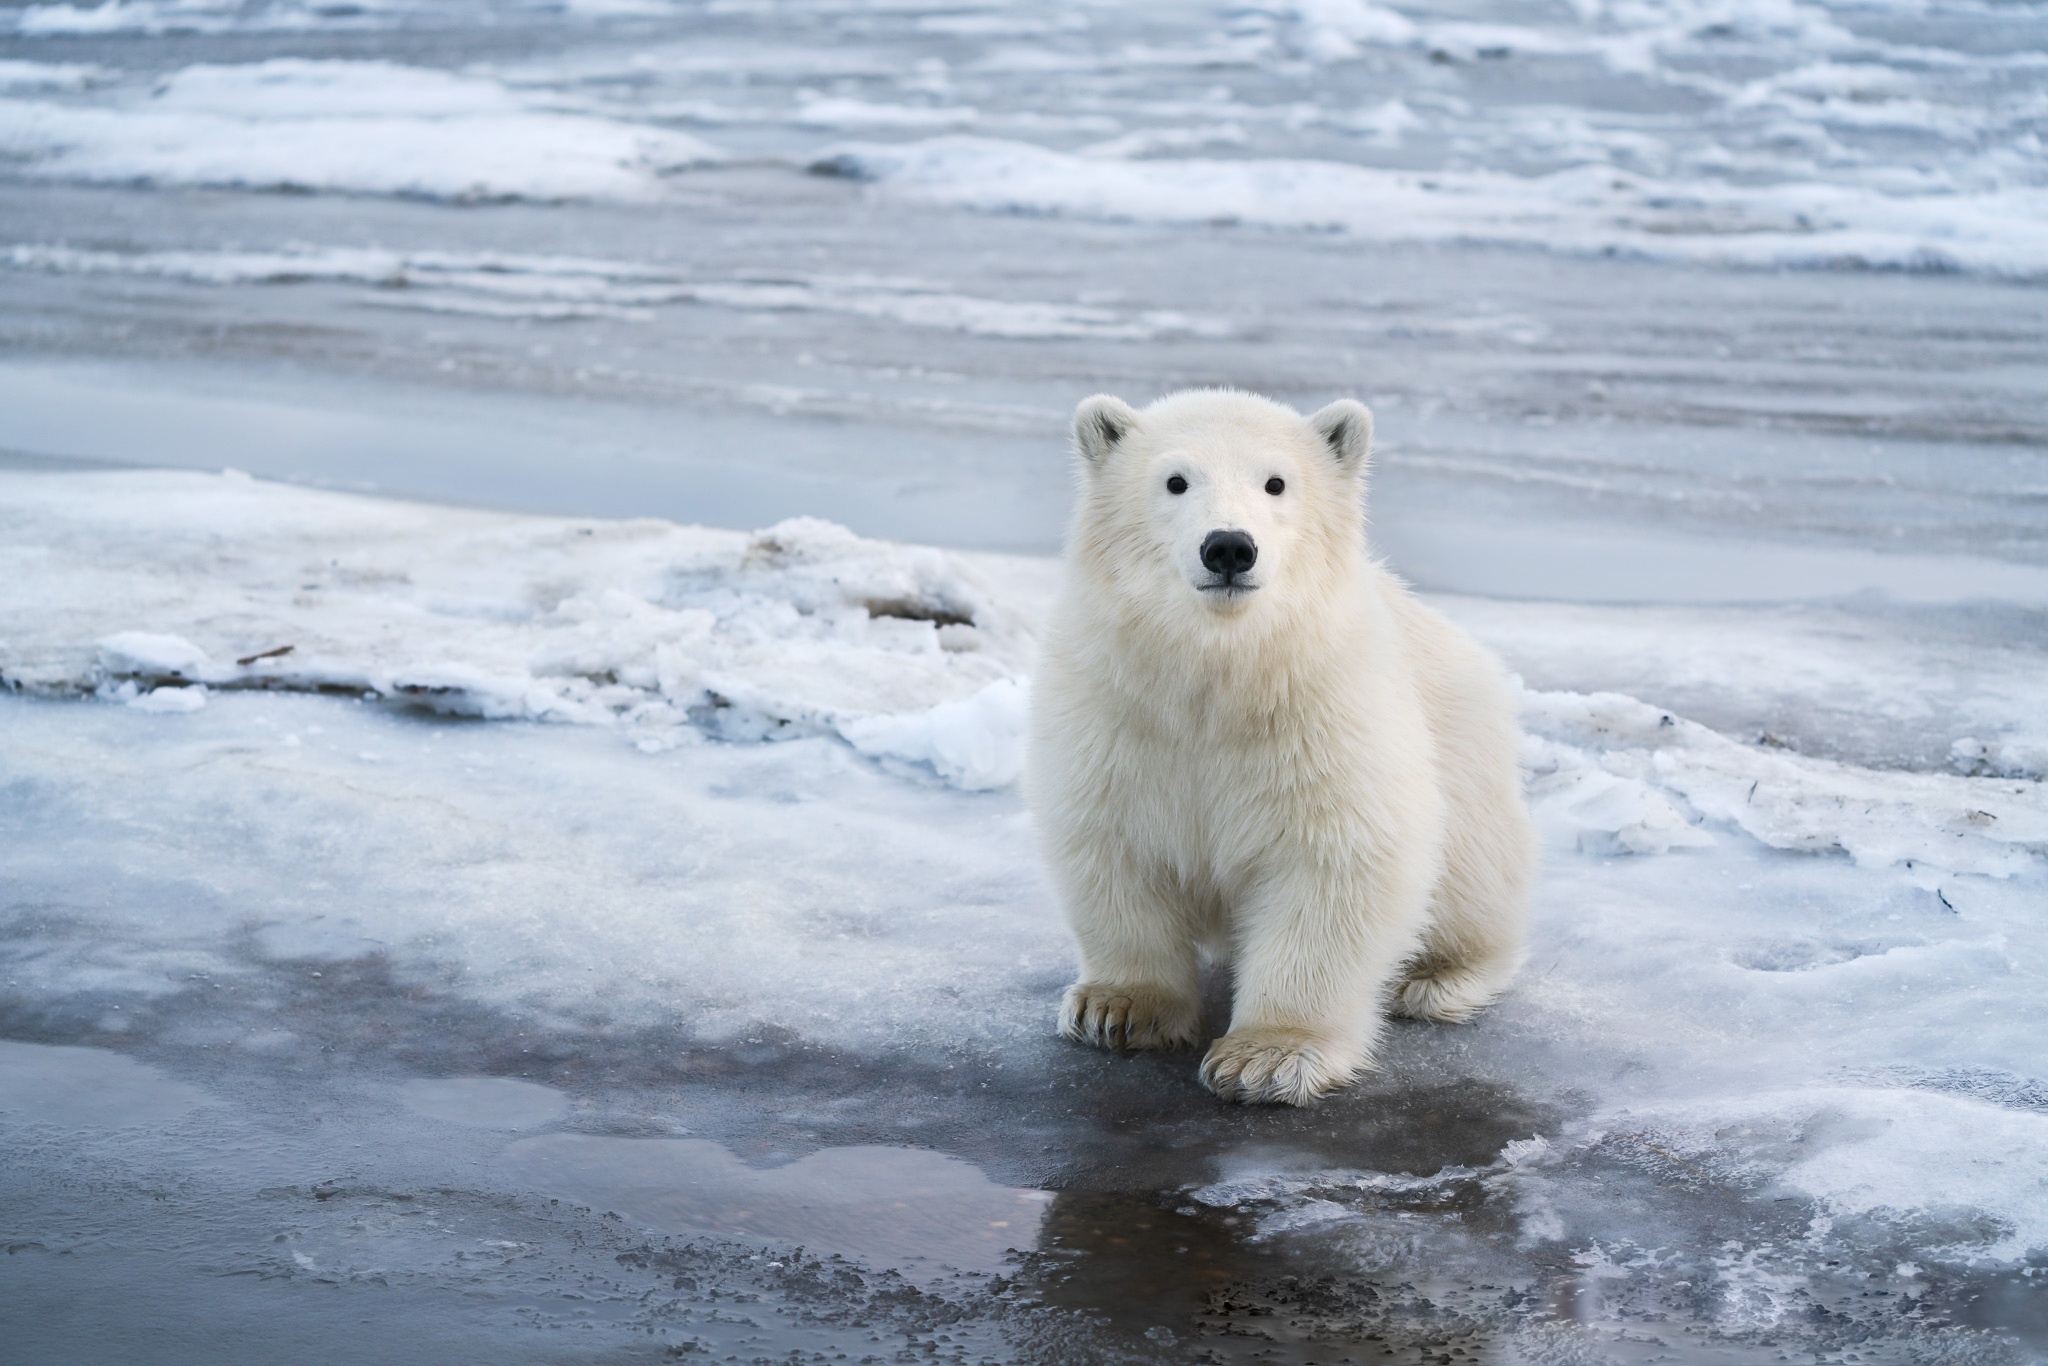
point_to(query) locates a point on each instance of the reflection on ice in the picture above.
(922, 1213)
(485, 1102)
(88, 1088)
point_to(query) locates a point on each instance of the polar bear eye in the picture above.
(1276, 485)
(1176, 485)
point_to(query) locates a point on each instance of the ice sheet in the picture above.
(1780, 982)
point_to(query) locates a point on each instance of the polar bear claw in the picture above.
(1129, 1017)
(1268, 1066)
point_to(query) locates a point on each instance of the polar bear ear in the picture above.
(1100, 425)
(1346, 428)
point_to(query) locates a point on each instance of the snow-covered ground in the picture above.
(507, 916)
(588, 785)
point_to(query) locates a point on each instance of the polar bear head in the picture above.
(1216, 506)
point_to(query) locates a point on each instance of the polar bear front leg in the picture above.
(1140, 983)
(1315, 956)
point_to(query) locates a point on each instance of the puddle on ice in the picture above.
(88, 1088)
(485, 1102)
(922, 1213)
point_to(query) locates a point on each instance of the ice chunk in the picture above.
(1604, 812)
(801, 629)
(168, 700)
(1964, 1177)
(1791, 802)
(2007, 757)
(976, 743)
(150, 654)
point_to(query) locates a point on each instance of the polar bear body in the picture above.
(1250, 741)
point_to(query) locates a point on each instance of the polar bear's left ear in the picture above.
(1346, 428)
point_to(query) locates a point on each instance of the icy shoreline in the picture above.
(624, 950)
(913, 655)
(1738, 990)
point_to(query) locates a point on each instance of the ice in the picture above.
(1937, 820)
(921, 1211)
(485, 1102)
(357, 127)
(976, 743)
(165, 700)
(799, 629)
(1956, 688)
(1973, 1175)
(88, 1088)
(1769, 977)
(147, 652)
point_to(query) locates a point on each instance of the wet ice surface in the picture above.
(587, 912)
(545, 993)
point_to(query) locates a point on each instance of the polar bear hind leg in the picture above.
(1478, 922)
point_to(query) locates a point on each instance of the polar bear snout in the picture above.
(1228, 554)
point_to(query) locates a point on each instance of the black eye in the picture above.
(1176, 485)
(1276, 485)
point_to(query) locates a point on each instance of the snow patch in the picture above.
(976, 743)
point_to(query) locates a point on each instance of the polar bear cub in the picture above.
(1250, 742)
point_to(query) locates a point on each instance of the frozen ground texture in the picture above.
(1804, 994)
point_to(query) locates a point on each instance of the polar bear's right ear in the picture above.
(1346, 428)
(1100, 425)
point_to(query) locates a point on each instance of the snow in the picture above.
(909, 654)
(644, 627)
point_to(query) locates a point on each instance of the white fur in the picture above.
(1315, 779)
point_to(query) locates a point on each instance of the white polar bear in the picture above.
(1250, 740)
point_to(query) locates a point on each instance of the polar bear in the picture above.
(1249, 741)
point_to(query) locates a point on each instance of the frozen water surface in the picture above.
(527, 865)
(582, 1019)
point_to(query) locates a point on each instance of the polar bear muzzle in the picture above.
(1227, 554)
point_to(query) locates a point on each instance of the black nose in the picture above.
(1229, 553)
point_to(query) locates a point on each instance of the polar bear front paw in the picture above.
(1112, 1016)
(1266, 1065)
